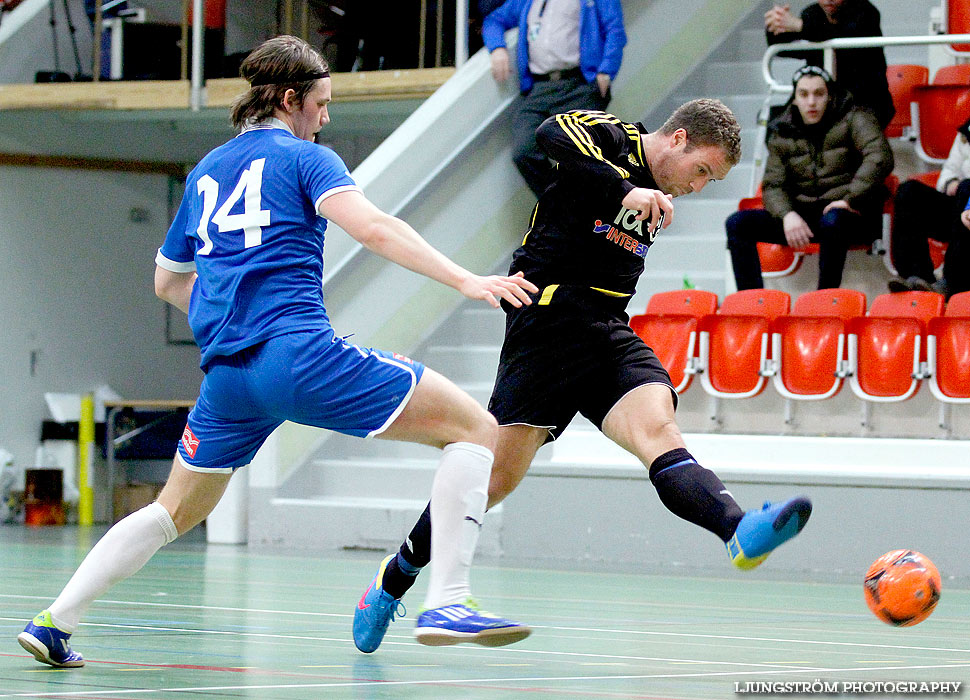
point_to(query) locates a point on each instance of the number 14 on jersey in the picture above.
(250, 222)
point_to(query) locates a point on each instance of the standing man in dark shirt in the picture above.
(568, 54)
(860, 71)
(575, 352)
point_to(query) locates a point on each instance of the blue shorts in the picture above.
(309, 377)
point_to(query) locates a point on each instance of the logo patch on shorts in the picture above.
(403, 358)
(189, 441)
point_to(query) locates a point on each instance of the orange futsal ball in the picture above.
(902, 587)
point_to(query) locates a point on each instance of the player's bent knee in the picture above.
(483, 429)
(664, 431)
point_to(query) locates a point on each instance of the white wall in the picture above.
(76, 289)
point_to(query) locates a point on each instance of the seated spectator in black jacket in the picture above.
(823, 182)
(860, 71)
(923, 212)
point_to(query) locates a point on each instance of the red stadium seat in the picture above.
(957, 21)
(669, 327)
(941, 109)
(886, 349)
(948, 351)
(953, 74)
(734, 342)
(941, 106)
(919, 305)
(779, 260)
(903, 77)
(958, 306)
(808, 347)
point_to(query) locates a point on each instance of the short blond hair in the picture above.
(708, 122)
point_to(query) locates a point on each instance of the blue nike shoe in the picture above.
(375, 611)
(48, 644)
(454, 624)
(761, 531)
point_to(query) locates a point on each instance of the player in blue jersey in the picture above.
(243, 258)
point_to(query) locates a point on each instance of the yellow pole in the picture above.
(85, 462)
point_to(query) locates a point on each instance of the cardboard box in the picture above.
(128, 498)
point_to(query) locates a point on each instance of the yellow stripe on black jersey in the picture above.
(579, 136)
(571, 123)
(592, 117)
(532, 222)
(575, 121)
(634, 135)
(545, 297)
(610, 293)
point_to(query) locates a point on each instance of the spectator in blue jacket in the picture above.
(569, 52)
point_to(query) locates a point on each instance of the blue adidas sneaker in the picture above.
(761, 531)
(375, 611)
(454, 624)
(48, 644)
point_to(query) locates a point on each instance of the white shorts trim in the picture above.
(404, 402)
(548, 428)
(669, 386)
(202, 470)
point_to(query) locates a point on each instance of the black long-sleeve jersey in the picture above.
(580, 234)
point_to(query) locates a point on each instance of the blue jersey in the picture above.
(248, 225)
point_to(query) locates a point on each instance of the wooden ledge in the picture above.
(149, 403)
(175, 94)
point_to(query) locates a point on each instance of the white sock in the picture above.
(123, 550)
(458, 499)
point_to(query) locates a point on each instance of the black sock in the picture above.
(694, 493)
(416, 553)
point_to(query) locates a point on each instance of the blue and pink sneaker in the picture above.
(375, 611)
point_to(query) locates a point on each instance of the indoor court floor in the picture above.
(219, 621)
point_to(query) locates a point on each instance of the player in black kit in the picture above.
(573, 351)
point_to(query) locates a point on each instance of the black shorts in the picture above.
(566, 358)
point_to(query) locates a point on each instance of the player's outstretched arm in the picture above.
(395, 240)
(174, 287)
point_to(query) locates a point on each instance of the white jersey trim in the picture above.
(332, 191)
(404, 402)
(173, 265)
(202, 470)
(271, 123)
